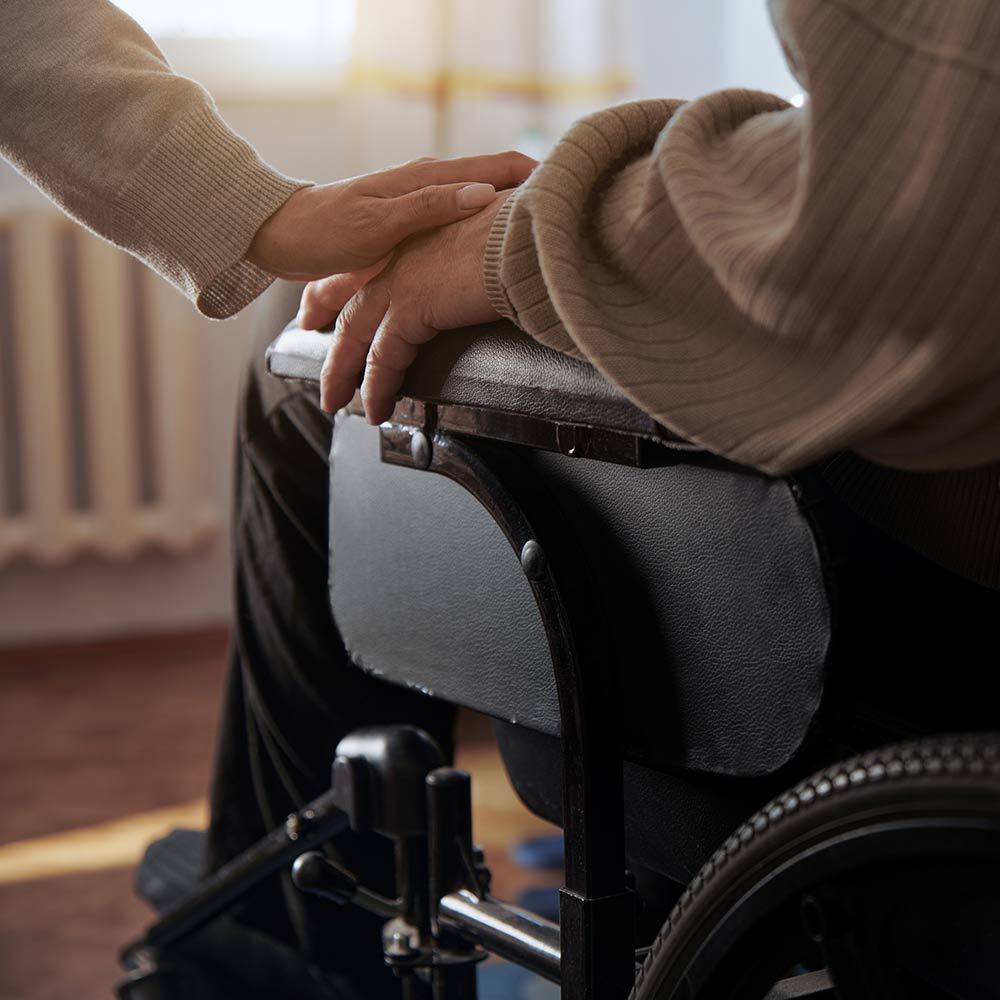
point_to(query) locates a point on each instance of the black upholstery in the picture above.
(494, 367)
(721, 617)
(673, 820)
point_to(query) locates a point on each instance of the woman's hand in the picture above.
(433, 282)
(353, 224)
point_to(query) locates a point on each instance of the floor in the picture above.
(106, 746)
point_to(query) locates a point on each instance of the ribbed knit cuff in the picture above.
(193, 206)
(513, 277)
(492, 259)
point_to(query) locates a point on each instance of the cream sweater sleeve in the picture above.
(93, 115)
(776, 283)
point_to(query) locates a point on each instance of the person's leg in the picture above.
(292, 692)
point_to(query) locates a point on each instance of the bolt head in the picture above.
(420, 450)
(397, 944)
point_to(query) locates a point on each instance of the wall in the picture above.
(158, 592)
(683, 48)
(680, 48)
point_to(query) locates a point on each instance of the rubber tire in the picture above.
(961, 773)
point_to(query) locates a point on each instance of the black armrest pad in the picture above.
(493, 367)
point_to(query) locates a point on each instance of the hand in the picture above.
(354, 223)
(434, 282)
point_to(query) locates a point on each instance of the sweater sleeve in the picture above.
(92, 114)
(781, 283)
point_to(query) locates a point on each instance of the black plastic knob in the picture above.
(314, 874)
(378, 779)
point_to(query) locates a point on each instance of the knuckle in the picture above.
(428, 199)
(309, 296)
(420, 161)
(373, 212)
(380, 359)
(344, 328)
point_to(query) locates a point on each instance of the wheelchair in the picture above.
(766, 730)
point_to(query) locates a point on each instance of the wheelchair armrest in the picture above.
(492, 368)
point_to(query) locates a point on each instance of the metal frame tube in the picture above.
(595, 906)
(507, 931)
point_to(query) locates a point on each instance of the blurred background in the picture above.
(116, 403)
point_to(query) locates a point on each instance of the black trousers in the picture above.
(291, 692)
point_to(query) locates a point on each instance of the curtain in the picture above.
(452, 77)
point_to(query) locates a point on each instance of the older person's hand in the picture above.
(353, 224)
(433, 282)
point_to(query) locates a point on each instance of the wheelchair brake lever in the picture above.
(315, 874)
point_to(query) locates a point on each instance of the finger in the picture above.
(435, 206)
(392, 352)
(348, 350)
(502, 170)
(323, 299)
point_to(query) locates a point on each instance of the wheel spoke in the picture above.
(828, 919)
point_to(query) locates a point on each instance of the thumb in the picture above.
(438, 205)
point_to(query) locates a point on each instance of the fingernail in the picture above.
(476, 195)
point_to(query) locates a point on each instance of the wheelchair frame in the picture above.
(392, 781)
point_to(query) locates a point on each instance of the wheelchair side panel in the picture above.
(710, 576)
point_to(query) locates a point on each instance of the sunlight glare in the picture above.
(288, 21)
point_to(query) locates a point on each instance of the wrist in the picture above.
(273, 244)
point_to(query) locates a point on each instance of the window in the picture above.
(252, 47)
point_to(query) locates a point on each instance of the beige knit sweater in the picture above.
(91, 113)
(782, 284)
(778, 284)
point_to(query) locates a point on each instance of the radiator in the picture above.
(100, 446)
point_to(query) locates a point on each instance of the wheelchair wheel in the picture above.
(876, 878)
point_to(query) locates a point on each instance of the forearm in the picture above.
(778, 283)
(92, 114)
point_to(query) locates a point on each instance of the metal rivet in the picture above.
(420, 450)
(533, 560)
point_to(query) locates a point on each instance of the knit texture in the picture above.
(781, 284)
(91, 113)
